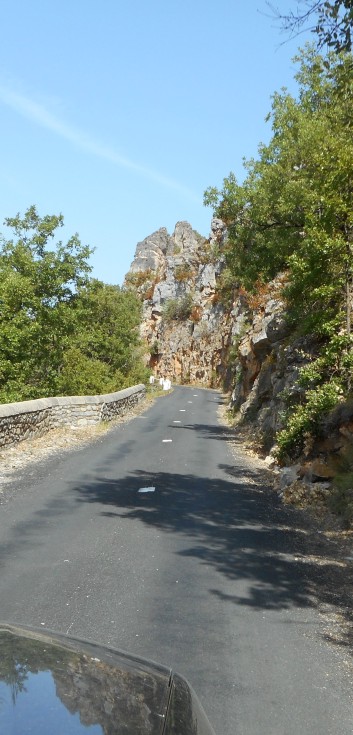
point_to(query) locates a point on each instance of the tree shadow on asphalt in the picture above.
(239, 527)
(210, 431)
(25, 534)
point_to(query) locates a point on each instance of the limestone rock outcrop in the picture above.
(242, 343)
(267, 366)
(186, 330)
(192, 335)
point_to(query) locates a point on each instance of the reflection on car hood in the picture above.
(56, 685)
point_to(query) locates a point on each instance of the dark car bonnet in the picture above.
(53, 684)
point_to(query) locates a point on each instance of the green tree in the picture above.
(61, 332)
(330, 20)
(106, 354)
(294, 210)
(294, 213)
(38, 291)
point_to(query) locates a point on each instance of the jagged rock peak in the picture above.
(186, 240)
(151, 252)
(154, 249)
(185, 327)
(218, 231)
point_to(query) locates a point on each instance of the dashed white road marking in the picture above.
(165, 441)
(146, 490)
(176, 422)
(182, 410)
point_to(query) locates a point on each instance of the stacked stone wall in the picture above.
(30, 419)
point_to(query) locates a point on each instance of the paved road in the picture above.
(200, 574)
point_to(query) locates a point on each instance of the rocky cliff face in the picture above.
(186, 329)
(267, 363)
(193, 335)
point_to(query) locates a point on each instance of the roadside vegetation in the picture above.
(293, 214)
(61, 332)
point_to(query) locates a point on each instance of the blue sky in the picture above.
(119, 114)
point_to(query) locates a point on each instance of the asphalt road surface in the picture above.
(200, 574)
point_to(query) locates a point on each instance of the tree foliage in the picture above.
(294, 210)
(106, 353)
(61, 332)
(330, 20)
(294, 214)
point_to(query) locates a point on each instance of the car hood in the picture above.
(53, 684)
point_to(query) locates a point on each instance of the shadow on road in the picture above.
(239, 527)
(211, 431)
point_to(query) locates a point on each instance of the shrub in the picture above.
(183, 272)
(148, 294)
(227, 288)
(305, 420)
(178, 309)
(138, 278)
(154, 348)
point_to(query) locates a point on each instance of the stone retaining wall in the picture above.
(29, 419)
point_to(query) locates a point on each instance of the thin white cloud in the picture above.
(41, 116)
